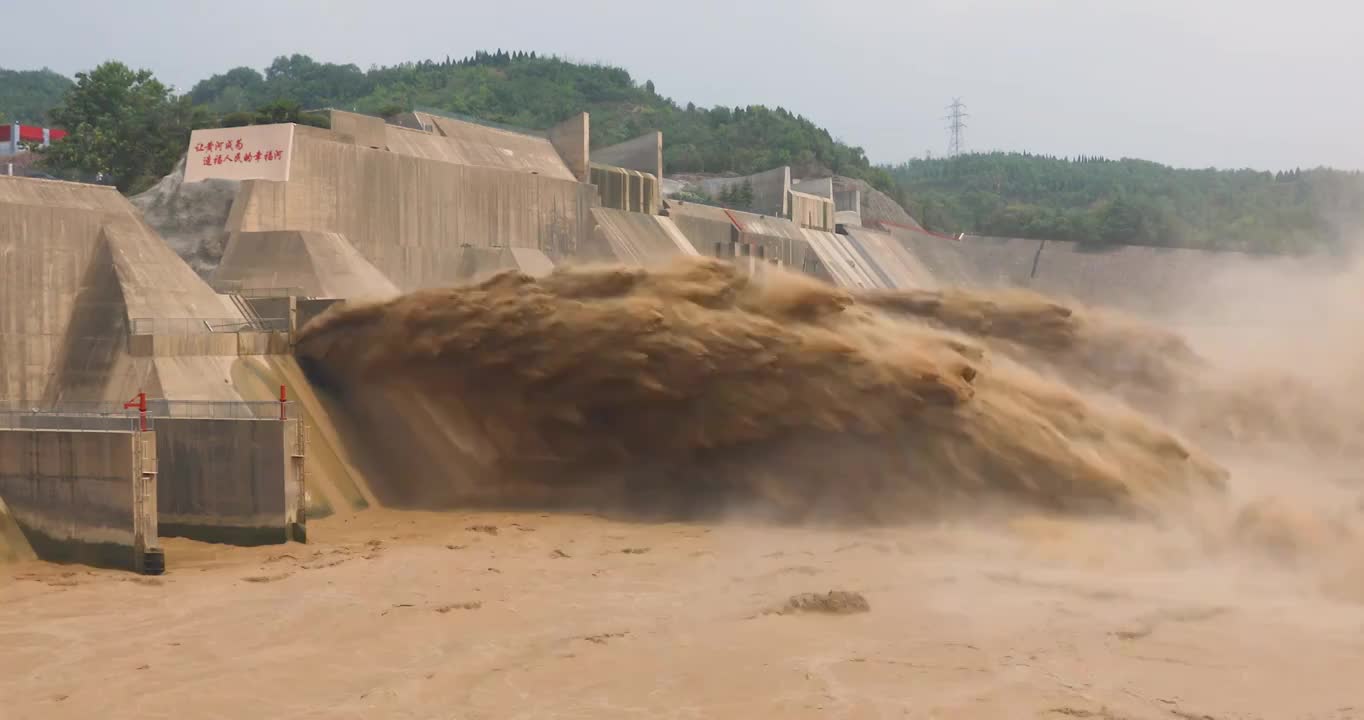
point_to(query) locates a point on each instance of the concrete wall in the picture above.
(849, 200)
(478, 264)
(622, 189)
(820, 187)
(848, 207)
(571, 139)
(232, 481)
(771, 190)
(812, 211)
(76, 264)
(477, 145)
(311, 263)
(644, 154)
(895, 266)
(847, 218)
(82, 496)
(362, 129)
(635, 239)
(408, 216)
(986, 263)
(48, 235)
(777, 239)
(708, 229)
(845, 266)
(875, 207)
(742, 235)
(207, 345)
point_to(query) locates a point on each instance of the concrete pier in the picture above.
(231, 481)
(82, 495)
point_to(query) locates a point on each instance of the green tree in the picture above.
(1094, 199)
(27, 96)
(287, 111)
(743, 195)
(124, 124)
(1120, 222)
(236, 90)
(535, 92)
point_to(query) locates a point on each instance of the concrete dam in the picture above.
(418, 417)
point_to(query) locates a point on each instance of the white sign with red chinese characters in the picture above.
(255, 152)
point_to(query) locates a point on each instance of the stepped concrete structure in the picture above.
(977, 262)
(622, 189)
(436, 201)
(643, 154)
(95, 306)
(892, 263)
(410, 206)
(820, 187)
(711, 230)
(635, 239)
(457, 142)
(812, 211)
(80, 273)
(572, 139)
(847, 199)
(477, 264)
(306, 263)
(95, 309)
(771, 190)
(749, 237)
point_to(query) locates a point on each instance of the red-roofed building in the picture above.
(14, 137)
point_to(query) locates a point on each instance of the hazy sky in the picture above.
(1230, 83)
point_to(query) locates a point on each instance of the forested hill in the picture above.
(113, 108)
(26, 96)
(531, 91)
(1133, 201)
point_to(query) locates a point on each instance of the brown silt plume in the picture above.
(697, 388)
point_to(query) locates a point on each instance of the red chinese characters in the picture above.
(232, 152)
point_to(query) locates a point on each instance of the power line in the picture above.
(956, 123)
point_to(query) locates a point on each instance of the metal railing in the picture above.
(220, 409)
(50, 420)
(202, 326)
(115, 416)
(235, 287)
(270, 292)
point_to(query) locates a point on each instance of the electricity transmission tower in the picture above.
(956, 123)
